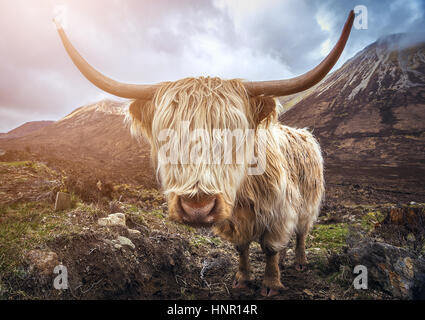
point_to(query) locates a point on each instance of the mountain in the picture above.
(26, 129)
(369, 115)
(92, 140)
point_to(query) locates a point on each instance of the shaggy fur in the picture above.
(267, 208)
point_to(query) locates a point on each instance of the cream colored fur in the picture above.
(267, 207)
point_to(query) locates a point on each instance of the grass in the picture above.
(25, 168)
(157, 213)
(6, 167)
(199, 240)
(370, 219)
(24, 226)
(133, 209)
(155, 219)
(328, 236)
(17, 164)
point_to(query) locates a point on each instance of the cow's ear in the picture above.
(263, 107)
(135, 111)
(140, 115)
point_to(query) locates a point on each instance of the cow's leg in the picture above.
(282, 257)
(244, 270)
(300, 262)
(271, 282)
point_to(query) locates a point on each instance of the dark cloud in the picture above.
(152, 41)
(385, 17)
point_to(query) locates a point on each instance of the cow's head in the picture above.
(188, 123)
(200, 131)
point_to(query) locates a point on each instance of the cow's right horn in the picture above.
(131, 91)
(289, 86)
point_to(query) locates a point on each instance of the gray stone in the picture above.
(134, 233)
(126, 242)
(63, 201)
(107, 241)
(216, 264)
(392, 269)
(115, 219)
(42, 261)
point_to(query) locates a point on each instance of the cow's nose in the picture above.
(198, 209)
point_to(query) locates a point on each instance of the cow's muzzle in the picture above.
(198, 211)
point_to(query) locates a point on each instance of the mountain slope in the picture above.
(92, 140)
(26, 129)
(369, 115)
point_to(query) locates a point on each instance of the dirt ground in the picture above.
(165, 260)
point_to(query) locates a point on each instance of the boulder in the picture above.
(114, 219)
(413, 218)
(42, 261)
(217, 264)
(392, 269)
(134, 233)
(63, 201)
(126, 242)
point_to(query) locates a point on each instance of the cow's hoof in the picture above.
(241, 280)
(271, 288)
(268, 292)
(300, 263)
(300, 267)
(239, 284)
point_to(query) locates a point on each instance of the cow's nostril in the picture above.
(198, 208)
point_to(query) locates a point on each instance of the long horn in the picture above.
(132, 91)
(286, 87)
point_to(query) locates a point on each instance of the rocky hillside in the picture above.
(93, 139)
(370, 116)
(25, 129)
(126, 248)
(117, 242)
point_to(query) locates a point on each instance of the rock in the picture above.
(107, 241)
(217, 264)
(126, 242)
(392, 269)
(42, 261)
(412, 218)
(308, 292)
(115, 219)
(63, 201)
(134, 233)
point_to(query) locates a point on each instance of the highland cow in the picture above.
(269, 207)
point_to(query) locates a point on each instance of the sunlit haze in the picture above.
(152, 41)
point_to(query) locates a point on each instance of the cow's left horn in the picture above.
(132, 91)
(286, 87)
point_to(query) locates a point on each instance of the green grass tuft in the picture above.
(328, 236)
(24, 226)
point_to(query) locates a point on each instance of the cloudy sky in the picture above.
(143, 41)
